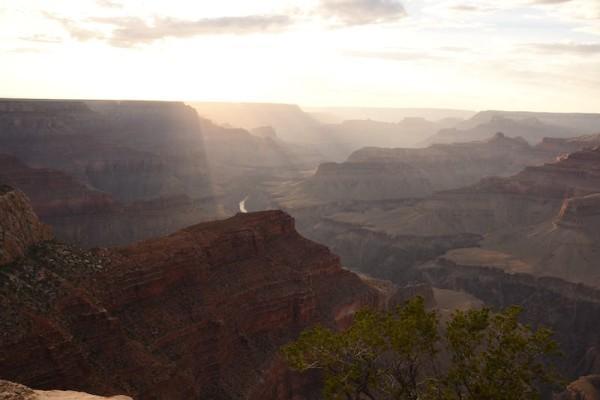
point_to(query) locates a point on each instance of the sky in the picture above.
(538, 55)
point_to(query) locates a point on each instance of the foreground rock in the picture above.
(14, 391)
(585, 388)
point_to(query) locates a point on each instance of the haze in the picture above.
(540, 55)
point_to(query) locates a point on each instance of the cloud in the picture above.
(565, 48)
(131, 31)
(549, 1)
(361, 12)
(465, 7)
(40, 38)
(73, 27)
(109, 4)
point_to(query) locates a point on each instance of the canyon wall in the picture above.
(197, 314)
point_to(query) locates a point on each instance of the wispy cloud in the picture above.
(73, 27)
(549, 1)
(128, 31)
(41, 38)
(131, 31)
(361, 12)
(583, 49)
(397, 55)
(109, 3)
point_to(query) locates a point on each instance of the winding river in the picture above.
(243, 205)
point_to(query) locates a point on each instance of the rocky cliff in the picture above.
(197, 314)
(20, 228)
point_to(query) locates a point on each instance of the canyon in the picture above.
(113, 172)
(194, 299)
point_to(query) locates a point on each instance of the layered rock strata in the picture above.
(197, 314)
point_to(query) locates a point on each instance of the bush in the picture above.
(406, 354)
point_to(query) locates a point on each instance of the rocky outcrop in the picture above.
(197, 314)
(561, 146)
(19, 226)
(15, 391)
(584, 388)
(580, 213)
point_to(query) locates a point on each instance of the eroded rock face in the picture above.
(19, 226)
(198, 314)
(581, 213)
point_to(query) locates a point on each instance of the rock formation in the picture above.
(197, 314)
(20, 227)
(584, 388)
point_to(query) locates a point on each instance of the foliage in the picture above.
(407, 355)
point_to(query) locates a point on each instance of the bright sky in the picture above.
(471, 54)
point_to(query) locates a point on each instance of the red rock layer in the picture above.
(198, 314)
